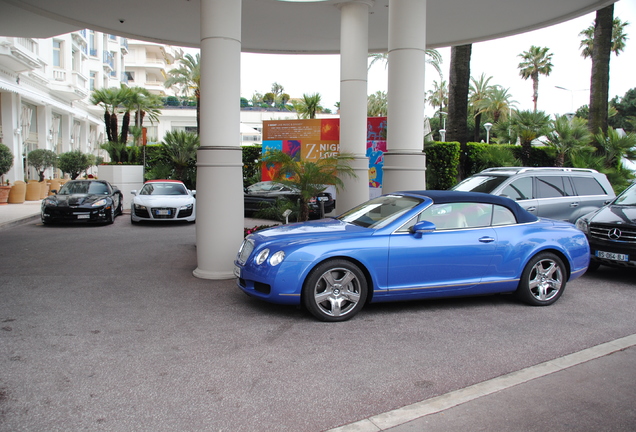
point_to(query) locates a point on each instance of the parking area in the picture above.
(106, 328)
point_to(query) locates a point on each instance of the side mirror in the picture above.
(194, 193)
(54, 191)
(133, 192)
(423, 227)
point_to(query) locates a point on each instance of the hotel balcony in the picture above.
(69, 85)
(19, 54)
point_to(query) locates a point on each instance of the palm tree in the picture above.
(438, 97)
(528, 126)
(433, 58)
(376, 104)
(498, 104)
(180, 148)
(109, 99)
(615, 146)
(607, 37)
(308, 106)
(536, 61)
(478, 94)
(187, 77)
(459, 88)
(568, 137)
(310, 177)
(143, 103)
(619, 37)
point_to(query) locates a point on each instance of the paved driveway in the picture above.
(105, 328)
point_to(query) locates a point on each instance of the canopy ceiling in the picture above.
(273, 26)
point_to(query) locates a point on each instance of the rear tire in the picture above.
(543, 280)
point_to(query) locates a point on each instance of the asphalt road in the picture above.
(105, 328)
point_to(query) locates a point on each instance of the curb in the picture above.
(437, 404)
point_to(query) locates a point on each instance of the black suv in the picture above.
(555, 193)
(611, 231)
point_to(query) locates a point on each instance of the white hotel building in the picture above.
(45, 88)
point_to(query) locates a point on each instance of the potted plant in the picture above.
(6, 162)
(41, 159)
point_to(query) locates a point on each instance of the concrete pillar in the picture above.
(404, 161)
(354, 49)
(220, 216)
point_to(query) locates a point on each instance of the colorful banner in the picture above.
(318, 138)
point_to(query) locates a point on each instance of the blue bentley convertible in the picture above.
(412, 245)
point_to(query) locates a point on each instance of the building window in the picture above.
(130, 76)
(57, 53)
(92, 43)
(93, 75)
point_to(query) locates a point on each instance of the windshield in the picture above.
(380, 211)
(84, 188)
(163, 189)
(480, 183)
(628, 197)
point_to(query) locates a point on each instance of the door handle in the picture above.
(486, 239)
(574, 204)
(531, 209)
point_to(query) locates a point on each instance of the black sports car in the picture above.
(267, 192)
(611, 231)
(83, 201)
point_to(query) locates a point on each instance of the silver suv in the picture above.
(556, 193)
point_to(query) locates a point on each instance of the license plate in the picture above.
(323, 199)
(612, 256)
(237, 271)
(163, 212)
(83, 216)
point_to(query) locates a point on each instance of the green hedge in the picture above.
(442, 160)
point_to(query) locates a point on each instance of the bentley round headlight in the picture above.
(262, 256)
(277, 258)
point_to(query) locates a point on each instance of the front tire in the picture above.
(335, 290)
(543, 280)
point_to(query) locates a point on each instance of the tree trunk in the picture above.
(477, 126)
(535, 90)
(599, 85)
(458, 87)
(125, 124)
(113, 127)
(107, 125)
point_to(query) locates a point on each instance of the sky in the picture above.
(498, 58)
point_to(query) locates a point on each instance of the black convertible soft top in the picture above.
(441, 197)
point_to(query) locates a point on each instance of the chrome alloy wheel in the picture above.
(335, 290)
(546, 279)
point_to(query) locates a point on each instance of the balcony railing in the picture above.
(59, 74)
(109, 60)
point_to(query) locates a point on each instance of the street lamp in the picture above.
(442, 132)
(487, 126)
(571, 95)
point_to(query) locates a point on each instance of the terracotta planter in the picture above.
(44, 189)
(18, 193)
(33, 190)
(4, 194)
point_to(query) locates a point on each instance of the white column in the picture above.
(405, 162)
(354, 50)
(10, 105)
(66, 125)
(220, 216)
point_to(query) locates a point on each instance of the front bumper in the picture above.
(72, 215)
